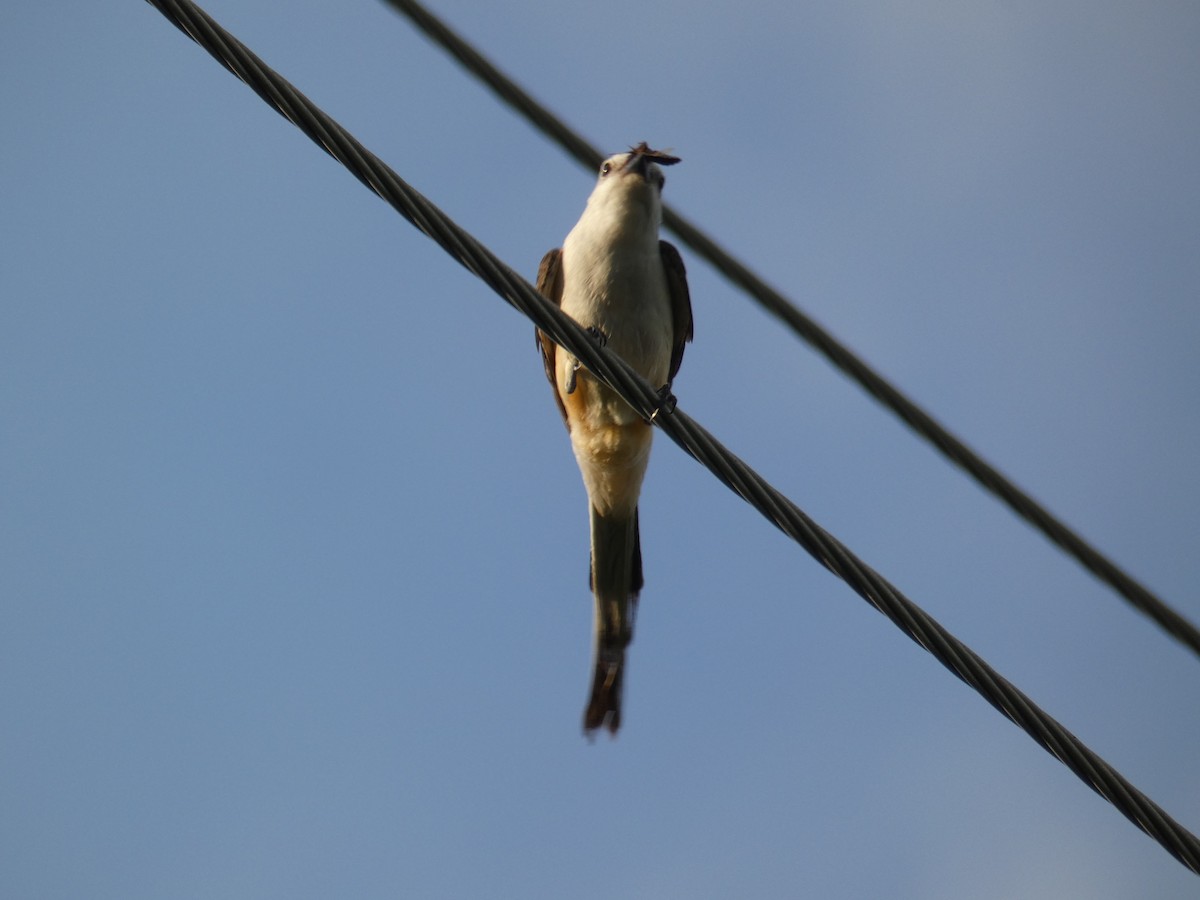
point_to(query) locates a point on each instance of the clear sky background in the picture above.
(293, 549)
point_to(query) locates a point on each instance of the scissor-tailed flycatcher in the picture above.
(618, 280)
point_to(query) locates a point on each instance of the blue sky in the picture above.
(294, 548)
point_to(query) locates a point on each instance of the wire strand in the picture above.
(687, 433)
(837, 353)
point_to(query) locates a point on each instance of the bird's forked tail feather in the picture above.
(616, 579)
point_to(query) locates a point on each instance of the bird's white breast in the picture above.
(616, 283)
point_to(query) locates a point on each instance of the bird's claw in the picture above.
(666, 402)
(572, 377)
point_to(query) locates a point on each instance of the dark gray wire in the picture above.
(689, 435)
(836, 352)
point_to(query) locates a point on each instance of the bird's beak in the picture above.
(641, 156)
(637, 162)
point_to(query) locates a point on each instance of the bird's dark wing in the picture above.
(550, 285)
(681, 303)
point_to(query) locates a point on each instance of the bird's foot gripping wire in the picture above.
(666, 402)
(601, 339)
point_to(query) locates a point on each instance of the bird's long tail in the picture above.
(616, 579)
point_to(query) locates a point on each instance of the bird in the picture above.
(628, 289)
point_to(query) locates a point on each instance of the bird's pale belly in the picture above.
(611, 444)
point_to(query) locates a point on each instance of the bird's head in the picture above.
(633, 181)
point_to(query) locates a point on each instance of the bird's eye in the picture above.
(605, 169)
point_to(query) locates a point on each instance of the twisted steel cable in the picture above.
(688, 434)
